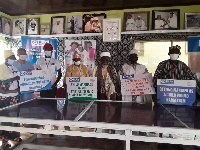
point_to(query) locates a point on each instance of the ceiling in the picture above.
(28, 7)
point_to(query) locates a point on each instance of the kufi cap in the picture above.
(91, 18)
(48, 45)
(133, 51)
(105, 54)
(76, 55)
(96, 18)
(8, 53)
(139, 16)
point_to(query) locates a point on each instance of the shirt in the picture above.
(51, 64)
(23, 67)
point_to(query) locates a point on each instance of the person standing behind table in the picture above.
(9, 92)
(22, 65)
(108, 84)
(51, 64)
(130, 68)
(172, 69)
(76, 69)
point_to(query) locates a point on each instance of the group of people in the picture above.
(93, 25)
(171, 22)
(137, 24)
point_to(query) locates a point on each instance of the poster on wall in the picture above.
(34, 48)
(177, 92)
(74, 25)
(86, 50)
(6, 26)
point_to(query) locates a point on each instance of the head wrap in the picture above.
(133, 51)
(105, 54)
(8, 53)
(48, 45)
(76, 55)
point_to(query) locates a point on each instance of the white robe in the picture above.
(129, 70)
(159, 24)
(130, 24)
(173, 21)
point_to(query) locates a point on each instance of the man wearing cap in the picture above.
(172, 68)
(76, 69)
(132, 67)
(140, 24)
(51, 64)
(159, 23)
(108, 84)
(88, 25)
(22, 65)
(84, 55)
(172, 20)
(57, 28)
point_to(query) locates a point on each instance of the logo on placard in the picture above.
(74, 79)
(164, 81)
(127, 76)
(23, 73)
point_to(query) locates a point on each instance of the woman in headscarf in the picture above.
(9, 91)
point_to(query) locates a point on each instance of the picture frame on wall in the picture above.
(112, 30)
(166, 19)
(136, 21)
(19, 26)
(33, 26)
(74, 25)
(58, 25)
(44, 29)
(192, 20)
(93, 23)
(6, 27)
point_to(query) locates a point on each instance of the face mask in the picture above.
(174, 56)
(77, 63)
(47, 53)
(22, 57)
(10, 61)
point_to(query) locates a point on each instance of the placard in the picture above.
(81, 88)
(35, 80)
(139, 84)
(194, 44)
(178, 92)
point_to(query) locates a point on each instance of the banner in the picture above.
(194, 44)
(35, 80)
(86, 50)
(139, 84)
(178, 92)
(81, 88)
(34, 47)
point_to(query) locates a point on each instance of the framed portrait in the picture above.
(93, 23)
(166, 19)
(112, 30)
(19, 26)
(33, 26)
(58, 25)
(6, 26)
(192, 20)
(74, 25)
(45, 29)
(136, 21)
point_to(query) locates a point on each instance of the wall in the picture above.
(46, 18)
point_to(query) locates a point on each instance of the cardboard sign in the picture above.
(139, 84)
(81, 88)
(178, 92)
(35, 80)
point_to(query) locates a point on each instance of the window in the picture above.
(151, 53)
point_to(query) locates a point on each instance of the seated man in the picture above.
(108, 84)
(76, 70)
(172, 68)
(132, 67)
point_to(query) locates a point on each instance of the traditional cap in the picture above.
(139, 16)
(8, 53)
(171, 13)
(175, 47)
(91, 18)
(96, 18)
(133, 51)
(48, 45)
(105, 54)
(76, 55)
